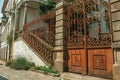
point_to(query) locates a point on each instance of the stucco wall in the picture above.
(22, 50)
(32, 14)
(21, 18)
(4, 54)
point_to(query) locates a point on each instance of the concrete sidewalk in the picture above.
(12, 74)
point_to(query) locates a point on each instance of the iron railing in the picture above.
(88, 24)
(40, 35)
(44, 50)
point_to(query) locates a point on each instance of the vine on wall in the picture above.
(46, 6)
(9, 41)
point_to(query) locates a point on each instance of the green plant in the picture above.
(9, 38)
(9, 41)
(46, 69)
(46, 6)
(22, 63)
(37, 67)
(54, 71)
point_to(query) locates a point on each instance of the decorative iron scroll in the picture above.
(40, 35)
(75, 24)
(38, 45)
(43, 27)
(97, 23)
(88, 23)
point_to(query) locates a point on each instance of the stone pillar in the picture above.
(17, 17)
(60, 37)
(25, 13)
(115, 13)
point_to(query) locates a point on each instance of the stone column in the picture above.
(17, 17)
(25, 13)
(115, 13)
(60, 37)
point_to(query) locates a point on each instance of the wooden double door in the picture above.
(89, 37)
(97, 62)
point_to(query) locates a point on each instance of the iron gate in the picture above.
(89, 37)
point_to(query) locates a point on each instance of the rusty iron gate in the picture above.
(89, 37)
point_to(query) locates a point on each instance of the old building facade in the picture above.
(115, 13)
(81, 37)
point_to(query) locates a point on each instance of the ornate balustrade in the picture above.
(40, 46)
(43, 27)
(40, 35)
(46, 17)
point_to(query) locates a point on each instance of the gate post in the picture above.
(115, 12)
(60, 44)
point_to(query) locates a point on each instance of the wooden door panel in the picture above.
(100, 62)
(77, 60)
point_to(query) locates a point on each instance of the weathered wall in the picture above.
(4, 55)
(60, 47)
(22, 50)
(115, 13)
(31, 13)
(21, 18)
(4, 52)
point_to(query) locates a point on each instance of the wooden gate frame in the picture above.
(86, 41)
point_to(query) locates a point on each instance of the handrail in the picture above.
(42, 42)
(40, 35)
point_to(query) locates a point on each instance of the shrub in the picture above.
(37, 67)
(54, 71)
(22, 63)
(46, 69)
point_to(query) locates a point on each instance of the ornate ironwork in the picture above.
(97, 23)
(40, 35)
(43, 27)
(44, 50)
(75, 24)
(88, 23)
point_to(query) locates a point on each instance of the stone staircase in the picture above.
(39, 34)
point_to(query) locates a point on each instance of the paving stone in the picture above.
(12, 74)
